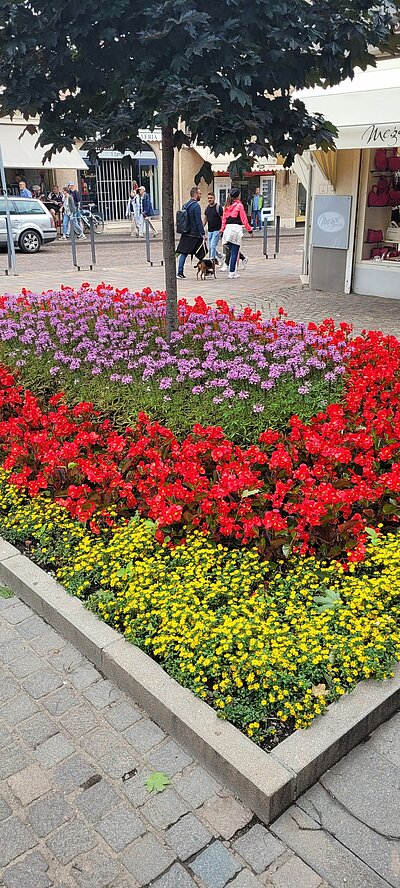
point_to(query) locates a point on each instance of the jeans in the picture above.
(66, 225)
(256, 219)
(181, 263)
(213, 238)
(234, 257)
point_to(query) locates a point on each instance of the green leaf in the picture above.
(72, 465)
(286, 551)
(5, 593)
(373, 536)
(246, 493)
(328, 601)
(157, 782)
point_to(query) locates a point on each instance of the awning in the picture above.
(21, 153)
(220, 162)
(365, 110)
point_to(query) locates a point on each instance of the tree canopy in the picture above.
(100, 70)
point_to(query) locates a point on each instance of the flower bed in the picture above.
(108, 346)
(232, 560)
(268, 651)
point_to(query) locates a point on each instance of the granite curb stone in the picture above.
(266, 783)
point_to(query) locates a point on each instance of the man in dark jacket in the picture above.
(192, 243)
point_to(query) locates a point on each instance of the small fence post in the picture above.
(277, 235)
(147, 226)
(73, 242)
(265, 238)
(92, 243)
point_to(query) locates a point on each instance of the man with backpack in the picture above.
(190, 226)
(213, 219)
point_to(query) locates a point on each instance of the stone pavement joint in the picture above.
(68, 819)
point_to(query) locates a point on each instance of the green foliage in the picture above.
(100, 71)
(122, 403)
(6, 593)
(157, 782)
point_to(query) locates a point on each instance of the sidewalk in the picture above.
(75, 811)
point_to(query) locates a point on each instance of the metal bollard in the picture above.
(92, 244)
(147, 226)
(277, 235)
(265, 239)
(73, 243)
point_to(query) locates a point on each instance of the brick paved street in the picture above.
(75, 811)
(264, 284)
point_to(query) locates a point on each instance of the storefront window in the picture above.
(381, 237)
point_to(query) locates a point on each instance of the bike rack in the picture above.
(148, 251)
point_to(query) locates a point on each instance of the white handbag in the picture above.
(393, 233)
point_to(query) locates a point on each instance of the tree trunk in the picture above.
(169, 229)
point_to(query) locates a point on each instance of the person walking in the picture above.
(69, 210)
(146, 210)
(132, 209)
(213, 220)
(191, 243)
(23, 190)
(233, 220)
(257, 204)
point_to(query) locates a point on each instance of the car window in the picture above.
(27, 207)
(2, 206)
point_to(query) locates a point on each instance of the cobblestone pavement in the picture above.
(75, 811)
(264, 284)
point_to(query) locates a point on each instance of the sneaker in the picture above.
(181, 277)
(244, 262)
(64, 237)
(223, 267)
(233, 274)
(81, 236)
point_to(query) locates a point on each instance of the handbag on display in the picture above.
(393, 233)
(382, 185)
(384, 253)
(378, 198)
(394, 193)
(394, 161)
(381, 160)
(375, 236)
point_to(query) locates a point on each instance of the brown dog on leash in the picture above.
(205, 268)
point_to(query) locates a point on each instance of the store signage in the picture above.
(375, 135)
(381, 134)
(150, 135)
(331, 221)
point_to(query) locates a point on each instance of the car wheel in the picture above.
(30, 242)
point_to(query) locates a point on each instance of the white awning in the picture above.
(21, 153)
(221, 161)
(365, 110)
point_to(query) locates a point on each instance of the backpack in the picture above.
(182, 218)
(182, 221)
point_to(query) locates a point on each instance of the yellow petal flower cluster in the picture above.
(265, 649)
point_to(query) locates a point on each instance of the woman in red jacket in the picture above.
(233, 219)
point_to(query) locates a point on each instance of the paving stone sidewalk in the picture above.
(75, 811)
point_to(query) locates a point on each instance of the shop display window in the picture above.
(381, 241)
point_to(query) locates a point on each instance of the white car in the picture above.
(31, 222)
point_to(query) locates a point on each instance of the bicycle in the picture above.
(87, 216)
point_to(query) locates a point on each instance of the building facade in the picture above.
(353, 245)
(24, 161)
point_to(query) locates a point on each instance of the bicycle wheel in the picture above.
(98, 223)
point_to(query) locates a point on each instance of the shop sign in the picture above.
(375, 135)
(331, 221)
(147, 135)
